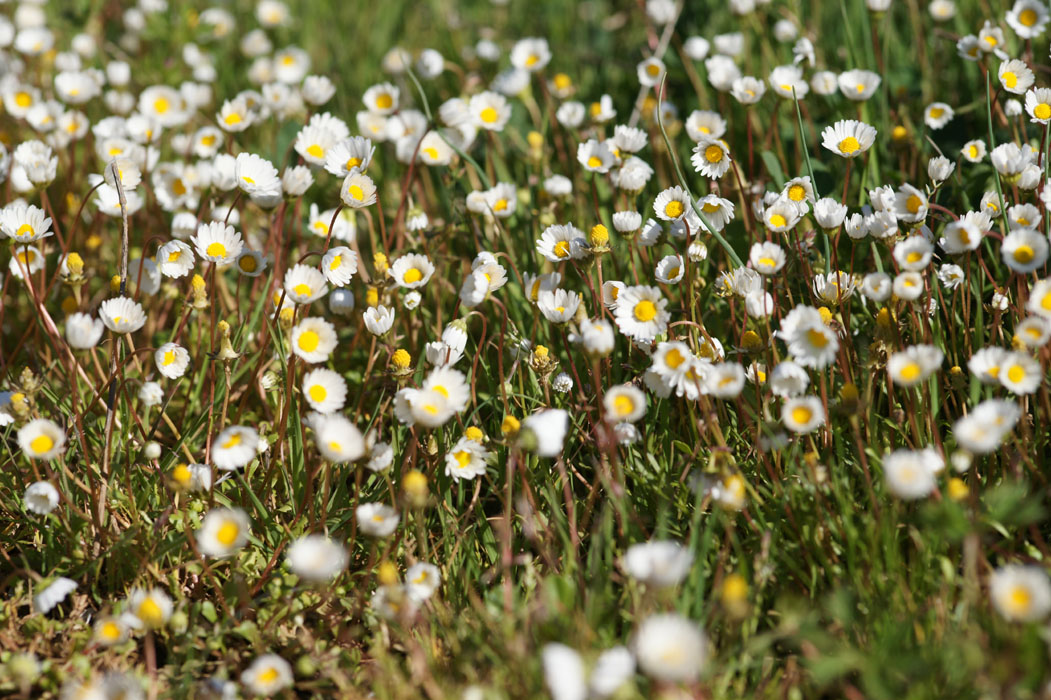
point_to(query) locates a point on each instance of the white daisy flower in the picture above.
(377, 519)
(234, 447)
(83, 331)
(848, 138)
(325, 390)
(122, 315)
(313, 340)
(1021, 593)
(466, 460)
(40, 497)
(316, 558)
(641, 312)
(171, 360)
(223, 531)
(803, 414)
(338, 440)
(175, 259)
(711, 157)
(358, 191)
(217, 243)
(914, 364)
(1020, 373)
(1024, 250)
(268, 675)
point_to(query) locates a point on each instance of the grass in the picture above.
(850, 591)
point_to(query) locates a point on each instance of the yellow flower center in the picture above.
(674, 358)
(913, 204)
(216, 250)
(228, 533)
(248, 263)
(110, 631)
(645, 310)
(911, 372)
(778, 221)
(356, 192)
(1009, 78)
(817, 338)
(23, 99)
(431, 152)
(1042, 111)
(412, 275)
(463, 458)
(161, 105)
(531, 60)
(232, 119)
(150, 613)
(489, 115)
(302, 289)
(1016, 373)
(674, 209)
(169, 357)
(308, 341)
(384, 101)
(41, 444)
(653, 70)
(1023, 254)
(623, 405)
(1020, 599)
(233, 441)
(767, 262)
(594, 162)
(23, 231)
(713, 154)
(562, 249)
(796, 193)
(849, 145)
(913, 257)
(500, 205)
(936, 112)
(174, 256)
(316, 151)
(270, 674)
(1028, 17)
(801, 415)
(972, 151)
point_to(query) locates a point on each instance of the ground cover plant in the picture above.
(515, 350)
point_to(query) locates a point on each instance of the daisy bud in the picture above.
(152, 450)
(957, 489)
(475, 434)
(734, 594)
(415, 487)
(510, 426)
(599, 237)
(400, 360)
(114, 284)
(75, 265)
(380, 262)
(751, 342)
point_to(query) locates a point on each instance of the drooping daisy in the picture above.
(234, 447)
(83, 331)
(858, 85)
(122, 315)
(40, 497)
(378, 319)
(466, 460)
(175, 259)
(670, 269)
(558, 306)
(848, 138)
(313, 339)
(1034, 332)
(711, 157)
(641, 312)
(217, 242)
(766, 258)
(223, 531)
(171, 360)
(376, 519)
(339, 265)
(787, 81)
(338, 440)
(914, 364)
(358, 191)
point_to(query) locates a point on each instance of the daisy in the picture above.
(670, 648)
(234, 447)
(428, 408)
(40, 497)
(489, 110)
(909, 474)
(787, 81)
(747, 90)
(24, 223)
(1034, 332)
(974, 151)
(175, 259)
(376, 519)
(767, 258)
(192, 477)
(1038, 105)
(1020, 373)
(122, 315)
(171, 360)
(217, 243)
(530, 54)
(268, 675)
(711, 157)
(913, 253)
(223, 531)
(910, 204)
(338, 440)
(325, 390)
(358, 191)
(908, 286)
(717, 211)
(1021, 593)
(558, 306)
(411, 271)
(339, 265)
(316, 558)
(670, 269)
(624, 403)
(304, 284)
(960, 236)
(83, 331)
(1027, 18)
(110, 631)
(641, 313)
(848, 138)
(985, 364)
(466, 460)
(595, 156)
(937, 115)
(381, 99)
(602, 111)
(1024, 250)
(561, 242)
(809, 340)
(650, 71)
(725, 380)
(1015, 76)
(1023, 216)
(544, 432)
(313, 340)
(782, 216)
(597, 338)
(378, 319)
(803, 414)
(251, 263)
(672, 204)
(877, 286)
(659, 563)
(148, 609)
(858, 85)
(788, 379)
(914, 364)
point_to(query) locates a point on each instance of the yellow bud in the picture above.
(473, 433)
(541, 352)
(1017, 343)
(75, 264)
(899, 133)
(536, 139)
(958, 489)
(510, 426)
(223, 327)
(387, 573)
(734, 589)
(562, 81)
(848, 392)
(372, 296)
(114, 283)
(181, 475)
(883, 318)
(599, 235)
(380, 262)
(69, 305)
(751, 341)
(415, 485)
(197, 283)
(94, 241)
(17, 397)
(401, 359)
(286, 316)
(955, 369)
(826, 314)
